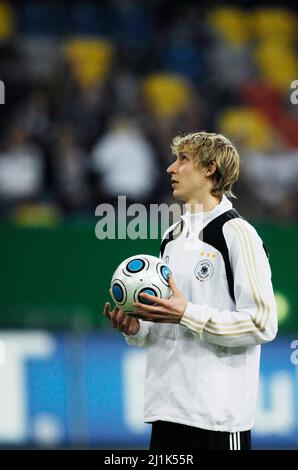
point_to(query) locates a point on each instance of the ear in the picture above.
(211, 168)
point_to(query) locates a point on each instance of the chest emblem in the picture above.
(204, 270)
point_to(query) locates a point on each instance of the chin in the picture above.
(178, 196)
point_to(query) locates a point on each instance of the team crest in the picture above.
(204, 270)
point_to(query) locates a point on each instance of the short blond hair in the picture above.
(207, 147)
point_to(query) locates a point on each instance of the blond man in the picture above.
(204, 342)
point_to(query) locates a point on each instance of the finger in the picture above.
(140, 313)
(134, 325)
(142, 317)
(106, 310)
(156, 318)
(115, 311)
(119, 319)
(172, 284)
(126, 324)
(154, 299)
(151, 308)
(135, 315)
(114, 316)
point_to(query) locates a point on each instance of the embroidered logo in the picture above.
(204, 270)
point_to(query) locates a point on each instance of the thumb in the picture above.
(172, 285)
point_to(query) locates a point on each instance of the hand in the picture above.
(121, 321)
(167, 310)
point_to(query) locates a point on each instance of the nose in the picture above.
(171, 168)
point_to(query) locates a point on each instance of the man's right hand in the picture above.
(121, 321)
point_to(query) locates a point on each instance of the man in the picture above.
(204, 342)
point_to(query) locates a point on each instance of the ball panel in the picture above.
(119, 292)
(135, 265)
(146, 290)
(164, 273)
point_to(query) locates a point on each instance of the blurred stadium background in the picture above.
(94, 92)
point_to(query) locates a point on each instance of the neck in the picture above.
(203, 204)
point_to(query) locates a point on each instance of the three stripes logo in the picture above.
(235, 443)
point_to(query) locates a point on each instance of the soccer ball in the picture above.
(137, 274)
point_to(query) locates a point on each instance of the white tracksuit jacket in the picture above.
(204, 371)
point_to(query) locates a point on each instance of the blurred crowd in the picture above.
(95, 92)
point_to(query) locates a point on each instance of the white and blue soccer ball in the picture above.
(138, 274)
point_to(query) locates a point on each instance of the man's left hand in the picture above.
(165, 310)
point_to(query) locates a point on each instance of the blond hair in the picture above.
(207, 147)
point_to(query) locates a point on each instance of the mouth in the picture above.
(174, 182)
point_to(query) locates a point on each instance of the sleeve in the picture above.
(140, 340)
(254, 320)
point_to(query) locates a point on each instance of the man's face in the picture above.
(189, 182)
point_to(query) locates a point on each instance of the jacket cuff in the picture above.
(195, 317)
